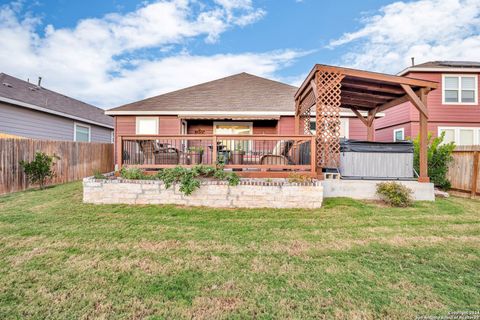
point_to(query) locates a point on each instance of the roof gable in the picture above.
(241, 92)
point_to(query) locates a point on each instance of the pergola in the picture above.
(328, 88)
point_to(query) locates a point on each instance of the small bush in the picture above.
(98, 175)
(134, 174)
(188, 178)
(395, 194)
(439, 157)
(40, 169)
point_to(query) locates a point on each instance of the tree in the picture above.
(40, 169)
(439, 157)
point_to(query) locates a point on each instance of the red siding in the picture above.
(386, 134)
(407, 116)
(286, 125)
(169, 125)
(356, 129)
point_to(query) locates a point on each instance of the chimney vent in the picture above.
(39, 81)
(413, 61)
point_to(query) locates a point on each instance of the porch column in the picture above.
(423, 141)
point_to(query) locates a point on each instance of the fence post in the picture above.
(475, 174)
(214, 151)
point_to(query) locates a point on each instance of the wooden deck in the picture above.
(265, 156)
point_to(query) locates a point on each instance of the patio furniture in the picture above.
(159, 153)
(279, 155)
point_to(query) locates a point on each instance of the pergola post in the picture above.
(327, 113)
(370, 127)
(423, 174)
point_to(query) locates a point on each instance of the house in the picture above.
(454, 108)
(238, 104)
(32, 111)
(263, 128)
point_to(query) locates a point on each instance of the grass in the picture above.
(61, 259)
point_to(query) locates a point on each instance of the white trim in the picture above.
(460, 89)
(226, 123)
(145, 118)
(227, 113)
(58, 113)
(75, 125)
(112, 136)
(476, 133)
(402, 130)
(462, 70)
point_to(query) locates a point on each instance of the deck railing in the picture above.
(249, 155)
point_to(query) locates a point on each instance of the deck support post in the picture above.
(119, 151)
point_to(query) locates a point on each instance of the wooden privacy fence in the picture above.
(464, 170)
(77, 160)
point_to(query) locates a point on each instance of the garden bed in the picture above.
(249, 193)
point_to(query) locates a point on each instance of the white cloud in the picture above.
(100, 60)
(426, 30)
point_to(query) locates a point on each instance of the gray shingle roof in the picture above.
(240, 92)
(23, 91)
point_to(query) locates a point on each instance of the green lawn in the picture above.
(61, 259)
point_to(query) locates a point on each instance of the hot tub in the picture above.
(376, 160)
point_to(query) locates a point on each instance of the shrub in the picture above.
(98, 175)
(39, 169)
(188, 178)
(134, 174)
(395, 194)
(439, 157)
(296, 177)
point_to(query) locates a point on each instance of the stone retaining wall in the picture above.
(248, 194)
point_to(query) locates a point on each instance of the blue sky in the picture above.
(112, 52)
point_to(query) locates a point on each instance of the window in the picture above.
(460, 89)
(399, 134)
(461, 136)
(147, 125)
(112, 136)
(81, 133)
(344, 127)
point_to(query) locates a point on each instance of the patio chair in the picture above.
(159, 153)
(279, 155)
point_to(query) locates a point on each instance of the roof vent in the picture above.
(33, 88)
(6, 84)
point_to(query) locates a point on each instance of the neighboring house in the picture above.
(453, 108)
(238, 104)
(29, 110)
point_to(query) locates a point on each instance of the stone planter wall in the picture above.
(249, 194)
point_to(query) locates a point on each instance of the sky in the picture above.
(111, 52)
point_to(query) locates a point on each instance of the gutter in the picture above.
(57, 113)
(461, 70)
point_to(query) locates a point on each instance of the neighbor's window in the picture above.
(398, 134)
(147, 125)
(459, 89)
(82, 133)
(461, 136)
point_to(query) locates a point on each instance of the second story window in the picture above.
(460, 89)
(147, 125)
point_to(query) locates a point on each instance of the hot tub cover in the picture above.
(380, 147)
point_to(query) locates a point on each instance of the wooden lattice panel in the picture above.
(305, 121)
(328, 118)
